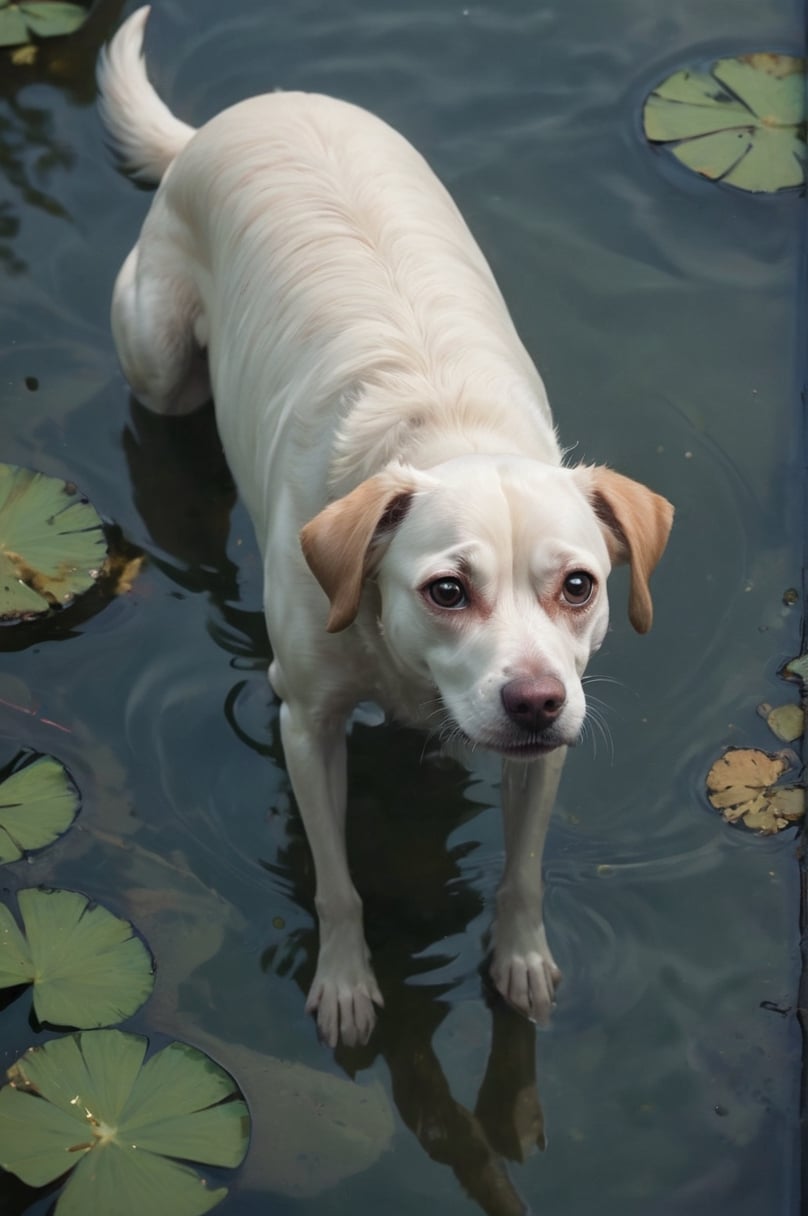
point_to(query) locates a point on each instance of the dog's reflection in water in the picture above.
(506, 1123)
(416, 895)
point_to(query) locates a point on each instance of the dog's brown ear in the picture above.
(636, 524)
(338, 543)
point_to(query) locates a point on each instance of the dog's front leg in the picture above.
(344, 986)
(523, 968)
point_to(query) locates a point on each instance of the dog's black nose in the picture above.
(533, 704)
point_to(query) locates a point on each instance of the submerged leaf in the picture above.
(87, 1101)
(52, 544)
(38, 802)
(741, 784)
(292, 1105)
(741, 122)
(87, 966)
(25, 56)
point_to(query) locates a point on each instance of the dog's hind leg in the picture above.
(159, 330)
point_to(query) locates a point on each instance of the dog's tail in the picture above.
(144, 132)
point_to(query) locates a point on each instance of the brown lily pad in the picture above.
(742, 786)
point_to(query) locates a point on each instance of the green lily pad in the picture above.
(87, 966)
(38, 801)
(52, 544)
(786, 721)
(743, 122)
(88, 1103)
(798, 668)
(38, 18)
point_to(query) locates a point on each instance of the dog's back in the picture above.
(368, 277)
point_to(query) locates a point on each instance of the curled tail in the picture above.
(143, 130)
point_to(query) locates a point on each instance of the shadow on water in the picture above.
(184, 494)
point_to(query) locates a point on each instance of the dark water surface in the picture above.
(663, 313)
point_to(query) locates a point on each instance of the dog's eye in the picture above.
(447, 593)
(578, 588)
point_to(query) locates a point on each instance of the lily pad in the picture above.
(38, 801)
(741, 784)
(785, 721)
(798, 668)
(89, 1104)
(52, 544)
(87, 966)
(742, 122)
(39, 19)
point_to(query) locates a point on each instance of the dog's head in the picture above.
(492, 579)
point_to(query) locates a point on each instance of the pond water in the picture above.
(663, 314)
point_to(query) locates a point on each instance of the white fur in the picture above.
(301, 261)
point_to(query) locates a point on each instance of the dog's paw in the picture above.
(344, 1006)
(525, 974)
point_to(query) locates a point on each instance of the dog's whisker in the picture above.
(586, 680)
(597, 723)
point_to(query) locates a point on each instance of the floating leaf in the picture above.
(783, 806)
(87, 966)
(125, 571)
(741, 784)
(741, 772)
(742, 122)
(38, 18)
(87, 1102)
(799, 668)
(52, 544)
(785, 721)
(38, 802)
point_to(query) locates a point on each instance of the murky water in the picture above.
(662, 312)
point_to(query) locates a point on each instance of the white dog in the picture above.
(423, 545)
